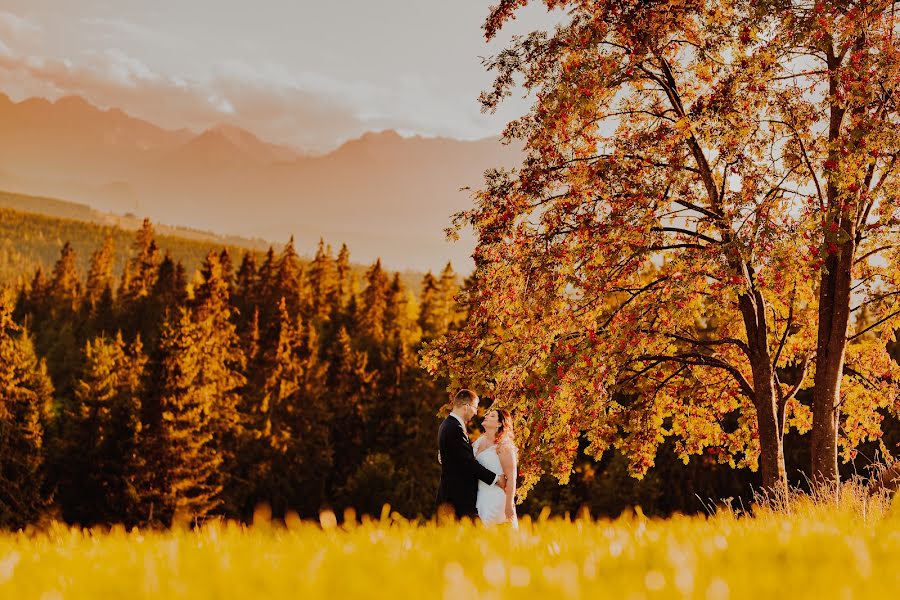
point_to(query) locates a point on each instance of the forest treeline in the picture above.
(139, 397)
(29, 240)
(151, 393)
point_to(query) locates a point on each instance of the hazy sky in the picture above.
(311, 74)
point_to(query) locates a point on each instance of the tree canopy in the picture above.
(704, 184)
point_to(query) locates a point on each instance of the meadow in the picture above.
(804, 550)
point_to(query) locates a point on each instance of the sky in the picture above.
(308, 74)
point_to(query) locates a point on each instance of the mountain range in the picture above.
(383, 194)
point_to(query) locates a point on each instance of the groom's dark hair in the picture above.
(464, 397)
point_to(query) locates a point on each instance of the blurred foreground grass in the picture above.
(803, 551)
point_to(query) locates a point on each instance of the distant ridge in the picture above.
(64, 209)
(385, 195)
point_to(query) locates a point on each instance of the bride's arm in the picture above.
(508, 464)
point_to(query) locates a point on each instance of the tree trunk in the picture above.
(834, 316)
(771, 432)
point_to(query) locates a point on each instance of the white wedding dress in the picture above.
(491, 498)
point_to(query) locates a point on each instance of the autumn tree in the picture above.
(836, 106)
(638, 277)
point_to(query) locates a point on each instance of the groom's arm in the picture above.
(460, 450)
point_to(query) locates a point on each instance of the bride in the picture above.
(496, 450)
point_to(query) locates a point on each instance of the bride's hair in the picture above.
(505, 434)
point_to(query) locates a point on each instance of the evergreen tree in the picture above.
(374, 306)
(244, 298)
(104, 480)
(56, 330)
(448, 310)
(323, 281)
(291, 423)
(100, 273)
(288, 280)
(201, 368)
(169, 293)
(25, 404)
(430, 319)
(340, 294)
(400, 317)
(350, 386)
(266, 295)
(343, 288)
(141, 271)
(31, 303)
(228, 274)
(98, 308)
(64, 290)
(138, 282)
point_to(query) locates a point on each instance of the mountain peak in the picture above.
(383, 135)
(74, 102)
(233, 134)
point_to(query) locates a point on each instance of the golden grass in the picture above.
(807, 549)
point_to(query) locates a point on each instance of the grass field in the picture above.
(847, 551)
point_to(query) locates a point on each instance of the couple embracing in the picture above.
(478, 480)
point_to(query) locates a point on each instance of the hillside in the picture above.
(29, 240)
(54, 207)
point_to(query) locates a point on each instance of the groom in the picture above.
(460, 471)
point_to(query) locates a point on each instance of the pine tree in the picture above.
(97, 313)
(100, 273)
(374, 306)
(141, 271)
(291, 424)
(201, 369)
(64, 290)
(168, 293)
(56, 331)
(350, 386)
(400, 317)
(227, 270)
(25, 405)
(31, 303)
(266, 295)
(323, 281)
(343, 288)
(448, 310)
(245, 297)
(430, 320)
(288, 279)
(104, 480)
(138, 282)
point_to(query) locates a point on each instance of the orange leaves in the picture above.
(657, 255)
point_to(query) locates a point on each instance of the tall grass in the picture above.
(795, 547)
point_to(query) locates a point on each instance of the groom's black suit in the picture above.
(460, 471)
